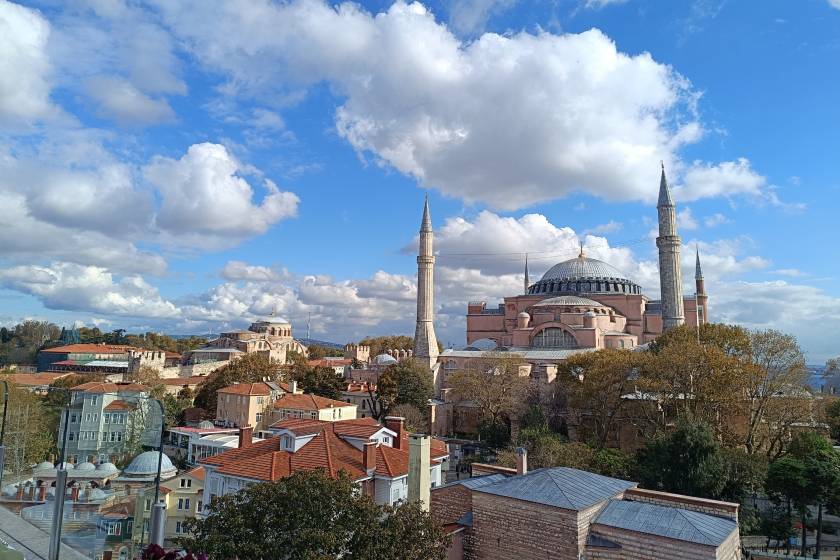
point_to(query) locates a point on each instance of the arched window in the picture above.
(449, 367)
(554, 338)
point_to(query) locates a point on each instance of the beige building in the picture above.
(245, 404)
(310, 407)
(183, 496)
(271, 337)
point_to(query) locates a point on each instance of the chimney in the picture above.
(521, 460)
(74, 494)
(396, 424)
(419, 459)
(369, 457)
(293, 386)
(42, 493)
(245, 435)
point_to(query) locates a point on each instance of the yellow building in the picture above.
(183, 496)
(244, 404)
(310, 407)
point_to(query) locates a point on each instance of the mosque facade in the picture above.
(585, 303)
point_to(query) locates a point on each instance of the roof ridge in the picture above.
(688, 520)
(328, 451)
(550, 473)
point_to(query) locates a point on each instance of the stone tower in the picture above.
(668, 243)
(425, 341)
(527, 276)
(700, 293)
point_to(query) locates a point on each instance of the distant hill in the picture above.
(325, 344)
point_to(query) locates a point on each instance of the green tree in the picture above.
(832, 416)
(787, 481)
(250, 368)
(381, 344)
(414, 383)
(310, 516)
(688, 461)
(30, 430)
(415, 421)
(316, 352)
(384, 396)
(319, 380)
(732, 340)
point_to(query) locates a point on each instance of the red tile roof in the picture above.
(181, 381)
(105, 387)
(119, 405)
(252, 389)
(301, 426)
(90, 349)
(307, 402)
(197, 473)
(360, 427)
(391, 462)
(34, 379)
(330, 363)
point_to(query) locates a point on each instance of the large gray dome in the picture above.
(146, 464)
(583, 275)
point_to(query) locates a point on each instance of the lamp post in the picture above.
(3, 431)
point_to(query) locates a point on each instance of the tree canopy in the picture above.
(311, 516)
(250, 368)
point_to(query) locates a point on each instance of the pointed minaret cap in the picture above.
(582, 254)
(527, 278)
(664, 192)
(698, 273)
(426, 225)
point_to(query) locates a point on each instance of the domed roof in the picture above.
(482, 344)
(384, 360)
(97, 495)
(205, 424)
(582, 267)
(108, 467)
(524, 315)
(568, 300)
(583, 275)
(86, 466)
(146, 464)
(44, 466)
(67, 466)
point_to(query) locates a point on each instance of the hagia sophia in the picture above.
(578, 305)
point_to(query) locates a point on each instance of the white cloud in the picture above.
(834, 4)
(470, 16)
(205, 200)
(238, 270)
(24, 65)
(602, 229)
(686, 220)
(119, 100)
(598, 4)
(728, 178)
(792, 272)
(89, 288)
(715, 220)
(452, 113)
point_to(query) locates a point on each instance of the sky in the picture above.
(187, 167)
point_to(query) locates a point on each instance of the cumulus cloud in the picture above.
(24, 65)
(728, 178)
(602, 229)
(715, 220)
(205, 198)
(834, 4)
(686, 220)
(451, 113)
(89, 288)
(598, 4)
(238, 270)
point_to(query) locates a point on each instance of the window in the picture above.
(103, 458)
(106, 417)
(147, 505)
(87, 417)
(259, 400)
(119, 436)
(114, 528)
(287, 442)
(73, 417)
(70, 436)
(186, 483)
(259, 417)
(82, 436)
(178, 528)
(93, 401)
(113, 436)
(200, 506)
(95, 416)
(184, 503)
(554, 338)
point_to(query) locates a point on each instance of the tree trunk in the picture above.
(819, 531)
(803, 549)
(790, 522)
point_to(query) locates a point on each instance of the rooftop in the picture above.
(307, 402)
(670, 522)
(105, 387)
(560, 487)
(90, 349)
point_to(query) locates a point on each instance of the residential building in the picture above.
(361, 395)
(376, 457)
(106, 420)
(245, 404)
(196, 443)
(183, 497)
(568, 514)
(85, 357)
(35, 382)
(310, 407)
(174, 385)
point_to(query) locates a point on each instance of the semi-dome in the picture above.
(384, 360)
(569, 300)
(86, 466)
(146, 464)
(583, 275)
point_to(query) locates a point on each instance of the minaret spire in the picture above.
(425, 341)
(700, 292)
(527, 278)
(698, 272)
(669, 243)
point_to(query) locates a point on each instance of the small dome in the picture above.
(384, 360)
(146, 464)
(97, 495)
(106, 467)
(589, 313)
(568, 300)
(86, 466)
(524, 315)
(46, 465)
(67, 466)
(205, 424)
(483, 345)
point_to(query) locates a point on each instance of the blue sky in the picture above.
(182, 168)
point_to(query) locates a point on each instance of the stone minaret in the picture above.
(700, 293)
(527, 276)
(425, 341)
(668, 242)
